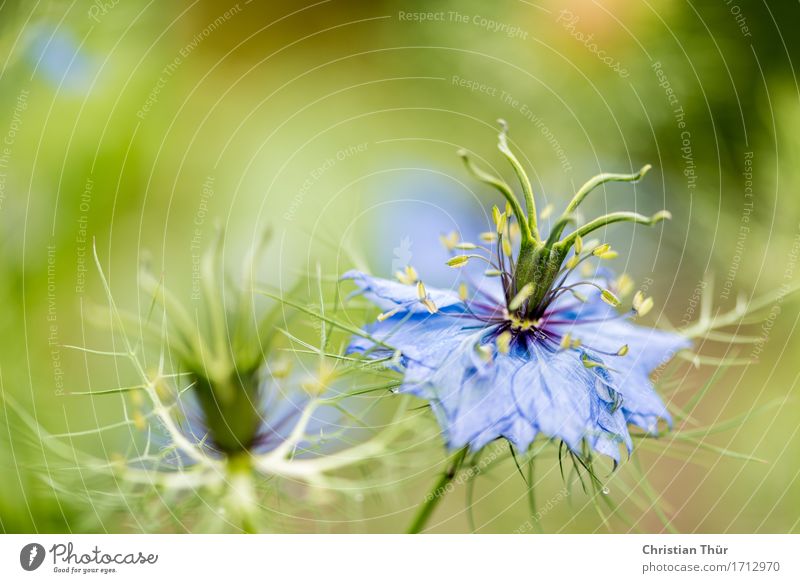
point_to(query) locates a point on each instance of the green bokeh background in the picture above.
(257, 100)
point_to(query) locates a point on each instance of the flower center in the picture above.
(536, 275)
(522, 324)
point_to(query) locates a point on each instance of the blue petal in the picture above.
(553, 391)
(424, 340)
(390, 295)
(529, 391)
(474, 405)
(517, 396)
(630, 374)
(565, 400)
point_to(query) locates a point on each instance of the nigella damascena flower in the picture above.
(539, 347)
(281, 395)
(226, 412)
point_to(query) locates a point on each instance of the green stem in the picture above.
(558, 228)
(539, 266)
(608, 219)
(233, 422)
(524, 272)
(588, 187)
(437, 493)
(530, 203)
(532, 497)
(596, 181)
(241, 494)
(504, 189)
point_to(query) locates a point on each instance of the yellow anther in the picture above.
(387, 315)
(645, 307)
(566, 341)
(484, 352)
(623, 350)
(163, 389)
(136, 398)
(408, 276)
(138, 420)
(492, 273)
(604, 251)
(318, 384)
(458, 261)
(504, 342)
(499, 220)
(422, 293)
(520, 297)
(641, 304)
(281, 368)
(578, 245)
(488, 237)
(462, 292)
(466, 246)
(518, 323)
(576, 343)
(501, 226)
(572, 262)
(547, 211)
(429, 305)
(450, 240)
(600, 249)
(609, 298)
(586, 270)
(508, 209)
(638, 298)
(507, 247)
(513, 231)
(624, 284)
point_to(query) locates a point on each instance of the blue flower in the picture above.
(407, 215)
(534, 349)
(280, 397)
(57, 57)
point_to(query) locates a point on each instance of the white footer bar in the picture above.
(399, 558)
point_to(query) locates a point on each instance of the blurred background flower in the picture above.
(336, 123)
